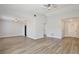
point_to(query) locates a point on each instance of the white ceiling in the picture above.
(23, 9)
(28, 9)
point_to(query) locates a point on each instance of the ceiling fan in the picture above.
(50, 6)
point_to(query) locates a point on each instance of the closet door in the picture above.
(71, 29)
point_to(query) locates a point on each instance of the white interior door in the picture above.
(71, 29)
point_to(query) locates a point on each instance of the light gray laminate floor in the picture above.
(24, 45)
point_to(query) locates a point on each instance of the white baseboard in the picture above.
(33, 37)
(3, 36)
(36, 37)
(71, 36)
(59, 37)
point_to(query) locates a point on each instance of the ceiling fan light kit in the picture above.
(49, 6)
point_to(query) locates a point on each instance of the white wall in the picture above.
(31, 27)
(40, 20)
(54, 23)
(35, 26)
(9, 28)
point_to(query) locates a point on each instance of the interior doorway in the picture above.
(25, 30)
(70, 27)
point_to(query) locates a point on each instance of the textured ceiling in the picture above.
(28, 9)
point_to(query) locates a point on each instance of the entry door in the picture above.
(71, 29)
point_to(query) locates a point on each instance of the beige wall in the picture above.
(71, 27)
